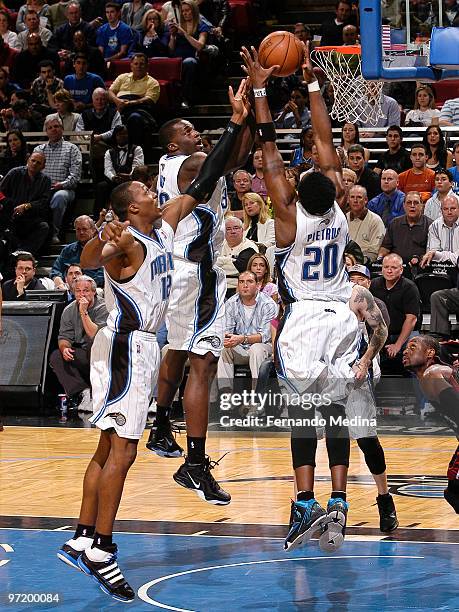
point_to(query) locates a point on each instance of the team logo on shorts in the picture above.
(214, 341)
(120, 419)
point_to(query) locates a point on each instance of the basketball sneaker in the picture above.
(306, 518)
(107, 573)
(162, 441)
(334, 524)
(197, 478)
(72, 549)
(388, 520)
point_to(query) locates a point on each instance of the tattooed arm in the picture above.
(363, 305)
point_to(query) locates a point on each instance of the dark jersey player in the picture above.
(439, 383)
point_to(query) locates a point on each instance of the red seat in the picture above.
(118, 67)
(445, 90)
(166, 68)
(168, 72)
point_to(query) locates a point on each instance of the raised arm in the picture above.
(213, 167)
(363, 305)
(329, 162)
(281, 192)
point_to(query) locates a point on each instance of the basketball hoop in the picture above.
(355, 99)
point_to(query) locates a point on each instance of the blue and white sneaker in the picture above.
(107, 574)
(72, 549)
(332, 537)
(306, 519)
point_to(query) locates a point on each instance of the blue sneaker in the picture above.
(305, 519)
(332, 537)
(108, 575)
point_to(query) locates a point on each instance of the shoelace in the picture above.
(209, 465)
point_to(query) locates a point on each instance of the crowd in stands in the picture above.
(56, 76)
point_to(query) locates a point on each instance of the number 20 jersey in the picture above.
(312, 268)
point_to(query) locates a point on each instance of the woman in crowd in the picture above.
(424, 107)
(64, 106)
(133, 13)
(301, 156)
(259, 265)
(437, 153)
(187, 39)
(154, 38)
(15, 153)
(11, 38)
(349, 136)
(258, 181)
(258, 225)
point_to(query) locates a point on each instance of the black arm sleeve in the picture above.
(214, 165)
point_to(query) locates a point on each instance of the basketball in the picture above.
(281, 49)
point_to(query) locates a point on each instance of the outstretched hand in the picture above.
(308, 71)
(259, 76)
(239, 101)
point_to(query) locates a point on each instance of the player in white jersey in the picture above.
(317, 339)
(138, 264)
(195, 320)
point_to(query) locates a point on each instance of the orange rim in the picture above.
(345, 50)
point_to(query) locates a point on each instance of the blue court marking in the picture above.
(219, 574)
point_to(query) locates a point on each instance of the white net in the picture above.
(355, 99)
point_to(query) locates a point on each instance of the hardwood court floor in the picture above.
(41, 472)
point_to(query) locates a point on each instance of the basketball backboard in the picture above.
(396, 36)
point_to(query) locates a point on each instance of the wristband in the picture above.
(314, 86)
(266, 132)
(259, 93)
(99, 234)
(233, 128)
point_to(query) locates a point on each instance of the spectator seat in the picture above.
(428, 284)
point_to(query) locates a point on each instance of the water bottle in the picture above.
(63, 406)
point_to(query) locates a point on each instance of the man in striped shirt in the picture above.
(63, 166)
(443, 237)
(450, 112)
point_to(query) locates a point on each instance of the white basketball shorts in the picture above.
(124, 369)
(196, 315)
(316, 346)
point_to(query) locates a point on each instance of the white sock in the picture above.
(80, 543)
(97, 554)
